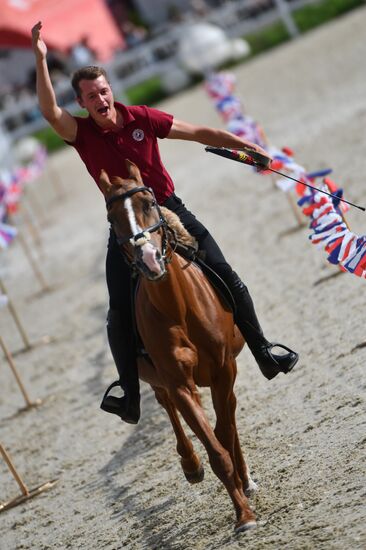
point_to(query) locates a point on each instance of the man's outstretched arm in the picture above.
(61, 121)
(211, 136)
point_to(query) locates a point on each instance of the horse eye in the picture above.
(148, 206)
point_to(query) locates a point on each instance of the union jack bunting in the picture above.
(331, 233)
(220, 88)
(330, 230)
(12, 182)
(7, 234)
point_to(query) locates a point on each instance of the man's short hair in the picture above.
(86, 73)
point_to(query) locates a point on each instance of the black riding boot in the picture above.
(122, 346)
(269, 363)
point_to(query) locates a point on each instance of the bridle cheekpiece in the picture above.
(141, 238)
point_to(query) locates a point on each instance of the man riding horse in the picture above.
(111, 133)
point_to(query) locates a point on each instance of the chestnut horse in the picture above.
(189, 334)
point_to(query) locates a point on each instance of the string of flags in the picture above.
(220, 87)
(12, 183)
(327, 222)
(331, 232)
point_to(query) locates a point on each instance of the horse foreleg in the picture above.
(220, 459)
(190, 462)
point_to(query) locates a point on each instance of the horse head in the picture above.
(137, 221)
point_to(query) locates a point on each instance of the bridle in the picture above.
(142, 237)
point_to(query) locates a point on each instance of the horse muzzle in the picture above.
(149, 262)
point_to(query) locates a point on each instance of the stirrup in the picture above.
(276, 357)
(110, 387)
(271, 364)
(126, 407)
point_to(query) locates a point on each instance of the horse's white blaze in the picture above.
(148, 250)
(131, 217)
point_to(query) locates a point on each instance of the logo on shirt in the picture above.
(138, 135)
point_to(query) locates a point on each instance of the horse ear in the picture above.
(104, 182)
(133, 170)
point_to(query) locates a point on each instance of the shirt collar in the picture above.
(126, 114)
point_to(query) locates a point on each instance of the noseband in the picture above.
(141, 238)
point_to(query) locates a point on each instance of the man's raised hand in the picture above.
(39, 46)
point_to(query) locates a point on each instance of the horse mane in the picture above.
(180, 232)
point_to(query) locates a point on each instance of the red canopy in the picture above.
(65, 22)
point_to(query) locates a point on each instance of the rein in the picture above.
(142, 237)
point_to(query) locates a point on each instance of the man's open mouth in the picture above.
(103, 110)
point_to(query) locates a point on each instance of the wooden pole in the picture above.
(295, 209)
(17, 377)
(37, 272)
(13, 470)
(33, 230)
(56, 180)
(340, 209)
(15, 316)
(33, 203)
(273, 180)
(26, 493)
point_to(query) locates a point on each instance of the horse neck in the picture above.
(169, 292)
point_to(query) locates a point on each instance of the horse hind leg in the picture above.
(220, 459)
(190, 461)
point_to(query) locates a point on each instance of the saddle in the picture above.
(186, 246)
(197, 257)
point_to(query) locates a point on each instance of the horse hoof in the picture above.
(195, 477)
(246, 526)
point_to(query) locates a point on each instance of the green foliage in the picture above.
(146, 93)
(135, 18)
(50, 139)
(267, 38)
(306, 18)
(314, 15)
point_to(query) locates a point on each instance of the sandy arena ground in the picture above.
(303, 434)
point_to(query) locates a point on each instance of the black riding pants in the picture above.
(119, 279)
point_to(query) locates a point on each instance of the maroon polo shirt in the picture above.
(136, 141)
